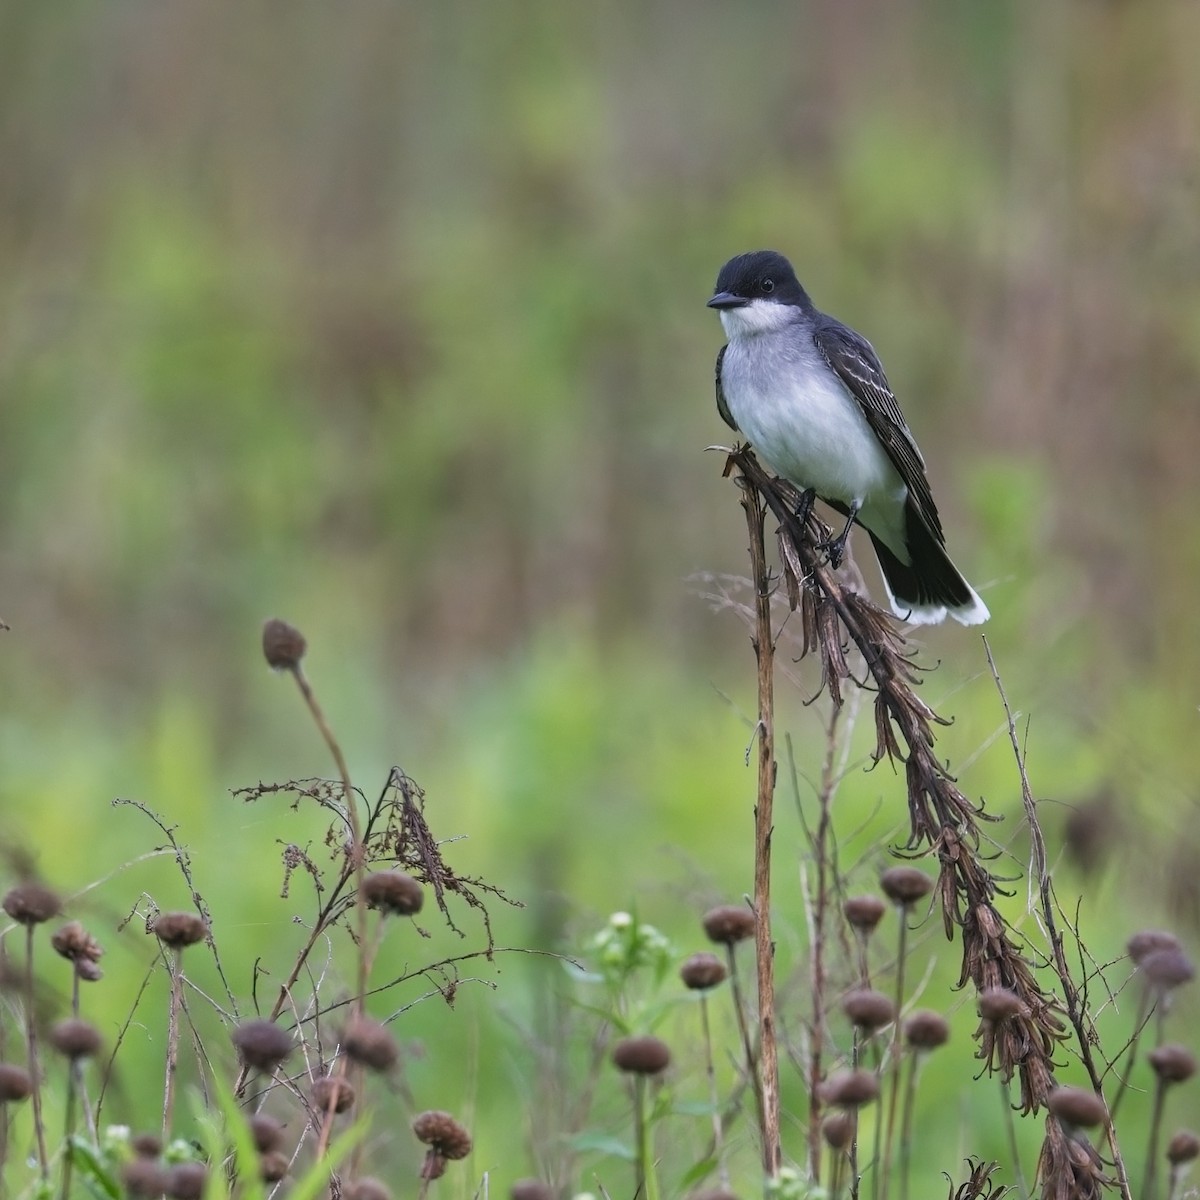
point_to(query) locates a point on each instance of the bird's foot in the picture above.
(836, 547)
(804, 507)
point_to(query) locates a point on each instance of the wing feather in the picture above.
(722, 403)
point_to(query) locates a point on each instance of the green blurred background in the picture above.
(389, 319)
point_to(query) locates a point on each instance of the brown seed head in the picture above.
(31, 903)
(1173, 1063)
(905, 885)
(1183, 1147)
(864, 912)
(146, 1145)
(186, 1180)
(88, 971)
(369, 1043)
(145, 1178)
(393, 892)
(926, 1029)
(262, 1044)
(728, 924)
(266, 1132)
(75, 1038)
(1146, 941)
(850, 1089)
(330, 1090)
(442, 1134)
(1167, 969)
(838, 1129)
(367, 1188)
(283, 645)
(434, 1166)
(15, 1083)
(179, 929)
(869, 1010)
(74, 942)
(641, 1055)
(999, 1004)
(703, 971)
(1076, 1107)
(531, 1189)
(272, 1166)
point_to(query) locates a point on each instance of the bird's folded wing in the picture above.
(722, 403)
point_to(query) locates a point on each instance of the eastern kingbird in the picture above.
(810, 394)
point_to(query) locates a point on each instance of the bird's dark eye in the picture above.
(767, 286)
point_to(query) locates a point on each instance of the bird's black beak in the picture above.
(728, 300)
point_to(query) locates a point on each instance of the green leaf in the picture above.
(694, 1174)
(92, 1169)
(695, 1108)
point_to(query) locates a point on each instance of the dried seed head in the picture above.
(393, 892)
(728, 924)
(31, 903)
(329, 1091)
(1166, 969)
(641, 1055)
(272, 1166)
(905, 885)
(266, 1132)
(1173, 1063)
(369, 1043)
(1183, 1147)
(869, 1010)
(75, 1038)
(838, 1129)
(531, 1189)
(74, 942)
(15, 1083)
(186, 1180)
(146, 1145)
(434, 1166)
(145, 1178)
(87, 970)
(703, 971)
(1146, 941)
(179, 929)
(442, 1134)
(283, 645)
(850, 1089)
(864, 912)
(926, 1029)
(367, 1188)
(262, 1044)
(999, 1004)
(1076, 1107)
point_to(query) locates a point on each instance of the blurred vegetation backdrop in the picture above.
(389, 319)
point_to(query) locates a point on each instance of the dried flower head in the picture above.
(863, 913)
(393, 892)
(1183, 1147)
(145, 1178)
(283, 645)
(442, 1134)
(850, 1089)
(74, 942)
(905, 885)
(869, 1010)
(75, 1038)
(999, 1004)
(266, 1131)
(703, 971)
(332, 1091)
(641, 1055)
(369, 1043)
(262, 1045)
(367, 1188)
(88, 971)
(186, 1180)
(31, 903)
(1173, 1063)
(15, 1083)
(272, 1166)
(179, 929)
(838, 1129)
(1077, 1107)
(1146, 941)
(531, 1189)
(926, 1029)
(146, 1145)
(1166, 969)
(728, 924)
(434, 1166)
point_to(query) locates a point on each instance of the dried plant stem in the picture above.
(764, 650)
(713, 1096)
(1014, 1151)
(172, 1056)
(31, 1042)
(906, 1121)
(743, 1024)
(1149, 1182)
(894, 1062)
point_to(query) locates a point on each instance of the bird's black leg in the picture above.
(804, 508)
(837, 548)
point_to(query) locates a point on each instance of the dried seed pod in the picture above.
(75, 1038)
(905, 885)
(442, 1134)
(869, 1010)
(838, 1129)
(1183, 1147)
(367, 1188)
(186, 1180)
(531, 1189)
(703, 971)
(262, 1044)
(850, 1089)
(728, 924)
(283, 645)
(1146, 941)
(926, 1029)
(31, 903)
(15, 1083)
(146, 1145)
(329, 1090)
(179, 929)
(393, 892)
(434, 1166)
(641, 1055)
(1167, 969)
(1077, 1107)
(1173, 1063)
(863, 913)
(369, 1043)
(266, 1131)
(999, 1004)
(272, 1166)
(74, 942)
(144, 1178)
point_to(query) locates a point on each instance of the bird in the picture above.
(810, 395)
